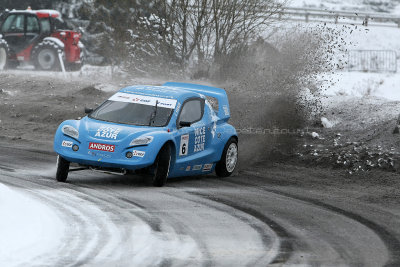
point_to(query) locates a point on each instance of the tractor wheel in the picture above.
(4, 52)
(46, 56)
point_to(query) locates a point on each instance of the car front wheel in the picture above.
(227, 164)
(161, 166)
(62, 169)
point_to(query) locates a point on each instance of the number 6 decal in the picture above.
(183, 151)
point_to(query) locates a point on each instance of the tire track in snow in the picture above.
(170, 234)
(83, 239)
(391, 242)
(285, 239)
(92, 230)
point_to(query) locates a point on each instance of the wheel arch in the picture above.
(233, 136)
(54, 40)
(172, 145)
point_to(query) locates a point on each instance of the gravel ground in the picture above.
(276, 212)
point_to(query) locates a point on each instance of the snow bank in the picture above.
(28, 229)
(360, 84)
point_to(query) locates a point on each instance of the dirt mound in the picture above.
(35, 106)
(360, 140)
(90, 90)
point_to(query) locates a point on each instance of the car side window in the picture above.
(192, 111)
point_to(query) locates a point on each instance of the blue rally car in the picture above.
(172, 130)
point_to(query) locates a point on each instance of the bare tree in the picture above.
(238, 21)
(207, 29)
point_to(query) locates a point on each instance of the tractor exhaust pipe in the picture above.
(62, 64)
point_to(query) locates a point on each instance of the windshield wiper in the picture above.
(154, 114)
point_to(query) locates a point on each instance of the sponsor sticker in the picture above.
(66, 143)
(188, 168)
(183, 150)
(207, 167)
(226, 110)
(197, 167)
(144, 100)
(101, 147)
(199, 139)
(107, 132)
(94, 154)
(138, 153)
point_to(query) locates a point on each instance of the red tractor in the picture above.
(40, 38)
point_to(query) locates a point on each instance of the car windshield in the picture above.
(132, 113)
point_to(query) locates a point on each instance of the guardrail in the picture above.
(339, 17)
(372, 60)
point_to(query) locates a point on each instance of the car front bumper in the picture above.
(117, 159)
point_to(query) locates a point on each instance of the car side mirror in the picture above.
(88, 110)
(184, 124)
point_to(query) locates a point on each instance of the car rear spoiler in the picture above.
(218, 93)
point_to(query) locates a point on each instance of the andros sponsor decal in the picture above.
(207, 167)
(138, 153)
(107, 132)
(102, 147)
(66, 143)
(144, 100)
(183, 150)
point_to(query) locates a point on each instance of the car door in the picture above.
(191, 131)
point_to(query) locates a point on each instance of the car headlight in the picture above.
(70, 131)
(141, 141)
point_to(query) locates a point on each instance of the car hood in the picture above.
(101, 131)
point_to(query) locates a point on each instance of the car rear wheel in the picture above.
(161, 166)
(227, 164)
(62, 169)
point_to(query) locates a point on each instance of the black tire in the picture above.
(161, 166)
(4, 54)
(62, 169)
(223, 168)
(45, 56)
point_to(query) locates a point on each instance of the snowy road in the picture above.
(246, 220)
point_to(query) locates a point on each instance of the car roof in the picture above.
(169, 92)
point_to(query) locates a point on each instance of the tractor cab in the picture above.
(23, 28)
(26, 32)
